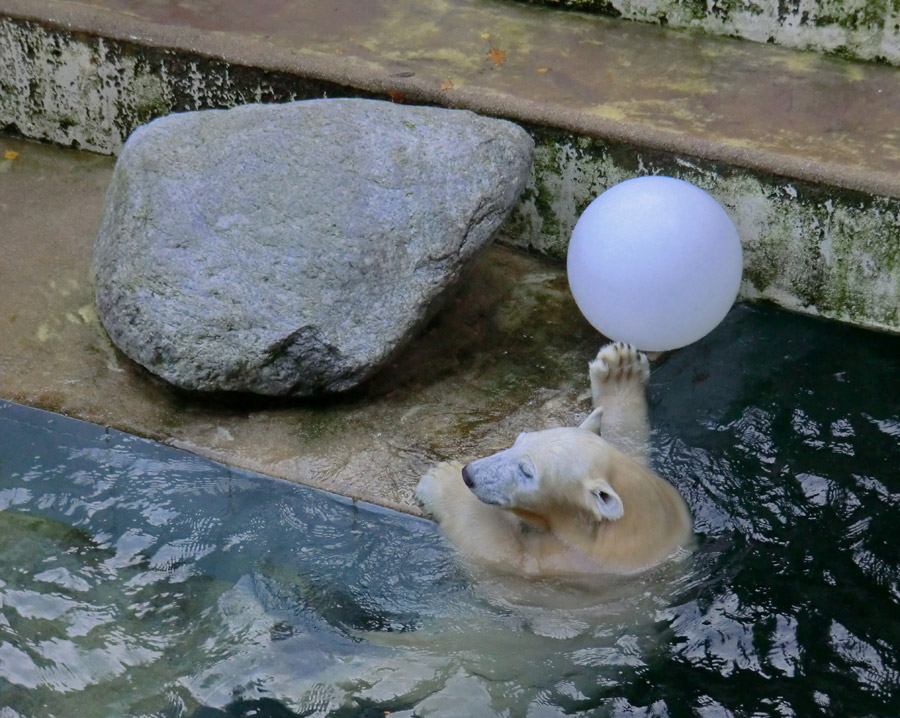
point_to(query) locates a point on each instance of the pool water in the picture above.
(138, 580)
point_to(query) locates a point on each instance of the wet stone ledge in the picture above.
(508, 352)
(858, 29)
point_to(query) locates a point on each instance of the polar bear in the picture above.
(566, 502)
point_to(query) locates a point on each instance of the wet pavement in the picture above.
(764, 107)
(509, 353)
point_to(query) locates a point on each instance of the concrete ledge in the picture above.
(764, 108)
(860, 29)
(802, 149)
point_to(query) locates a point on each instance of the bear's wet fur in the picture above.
(566, 502)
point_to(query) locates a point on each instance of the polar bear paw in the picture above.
(437, 481)
(618, 368)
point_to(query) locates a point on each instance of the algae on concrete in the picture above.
(800, 114)
(91, 93)
(87, 93)
(808, 247)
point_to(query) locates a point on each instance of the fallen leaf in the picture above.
(397, 96)
(485, 36)
(497, 56)
(542, 70)
(447, 85)
(10, 155)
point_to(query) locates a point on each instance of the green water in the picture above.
(137, 580)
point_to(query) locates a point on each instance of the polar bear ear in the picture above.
(605, 502)
(592, 423)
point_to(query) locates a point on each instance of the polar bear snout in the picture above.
(467, 476)
(502, 479)
(482, 481)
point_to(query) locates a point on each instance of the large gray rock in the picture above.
(293, 249)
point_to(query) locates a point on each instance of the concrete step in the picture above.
(858, 29)
(802, 149)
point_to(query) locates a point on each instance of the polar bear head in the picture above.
(561, 502)
(552, 470)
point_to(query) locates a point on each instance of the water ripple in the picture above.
(136, 580)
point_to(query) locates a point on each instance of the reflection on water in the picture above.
(783, 433)
(136, 580)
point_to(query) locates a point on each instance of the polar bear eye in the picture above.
(527, 473)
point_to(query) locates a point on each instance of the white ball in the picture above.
(655, 262)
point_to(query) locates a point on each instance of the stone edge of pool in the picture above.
(93, 434)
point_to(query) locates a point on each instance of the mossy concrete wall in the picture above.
(90, 93)
(861, 29)
(813, 248)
